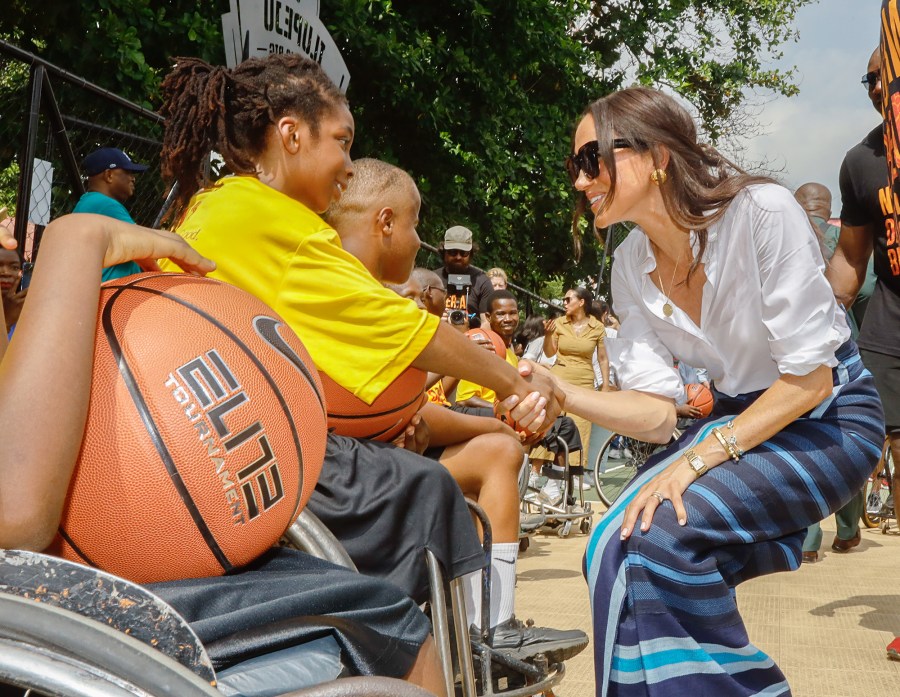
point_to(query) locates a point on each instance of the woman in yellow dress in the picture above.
(576, 340)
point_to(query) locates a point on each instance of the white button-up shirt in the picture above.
(767, 308)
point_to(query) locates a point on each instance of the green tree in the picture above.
(476, 98)
(122, 45)
(711, 52)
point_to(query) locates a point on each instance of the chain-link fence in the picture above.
(49, 121)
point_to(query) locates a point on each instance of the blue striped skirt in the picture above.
(666, 621)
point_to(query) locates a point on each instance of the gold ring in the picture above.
(659, 497)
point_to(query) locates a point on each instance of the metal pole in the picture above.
(440, 619)
(61, 137)
(26, 161)
(167, 204)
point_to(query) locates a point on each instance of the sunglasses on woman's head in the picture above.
(587, 159)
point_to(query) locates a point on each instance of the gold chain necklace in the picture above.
(667, 306)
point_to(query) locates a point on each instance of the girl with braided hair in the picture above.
(722, 271)
(232, 111)
(284, 131)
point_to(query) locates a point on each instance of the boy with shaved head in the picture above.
(376, 219)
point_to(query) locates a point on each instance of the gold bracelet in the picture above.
(696, 462)
(729, 449)
(733, 441)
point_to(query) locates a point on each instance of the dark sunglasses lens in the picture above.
(870, 79)
(586, 160)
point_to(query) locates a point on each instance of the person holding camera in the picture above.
(467, 287)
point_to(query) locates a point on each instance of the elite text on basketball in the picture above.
(211, 398)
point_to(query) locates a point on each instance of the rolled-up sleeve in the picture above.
(639, 358)
(798, 306)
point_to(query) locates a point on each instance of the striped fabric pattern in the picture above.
(666, 621)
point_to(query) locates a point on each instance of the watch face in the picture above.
(696, 462)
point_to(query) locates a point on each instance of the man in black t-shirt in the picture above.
(456, 252)
(867, 224)
(890, 75)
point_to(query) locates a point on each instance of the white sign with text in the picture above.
(261, 27)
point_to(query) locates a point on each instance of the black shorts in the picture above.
(387, 505)
(475, 411)
(286, 598)
(886, 371)
(566, 429)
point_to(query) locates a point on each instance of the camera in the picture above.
(459, 283)
(457, 317)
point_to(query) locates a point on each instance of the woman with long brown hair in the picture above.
(722, 272)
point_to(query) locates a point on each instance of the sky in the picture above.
(809, 134)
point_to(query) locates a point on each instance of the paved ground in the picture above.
(826, 625)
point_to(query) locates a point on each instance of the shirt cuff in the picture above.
(795, 356)
(639, 367)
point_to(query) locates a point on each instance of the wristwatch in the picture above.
(696, 462)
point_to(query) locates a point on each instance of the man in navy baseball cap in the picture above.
(110, 182)
(109, 158)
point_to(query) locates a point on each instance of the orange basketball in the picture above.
(382, 420)
(700, 396)
(483, 333)
(205, 432)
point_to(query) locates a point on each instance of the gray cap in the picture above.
(458, 237)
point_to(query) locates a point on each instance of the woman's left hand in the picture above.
(668, 485)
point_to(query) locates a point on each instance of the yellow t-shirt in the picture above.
(358, 332)
(467, 389)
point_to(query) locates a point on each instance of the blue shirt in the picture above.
(101, 204)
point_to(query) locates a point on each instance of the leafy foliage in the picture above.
(476, 98)
(709, 51)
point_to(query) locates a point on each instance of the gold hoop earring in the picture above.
(658, 176)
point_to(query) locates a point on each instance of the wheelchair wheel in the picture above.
(57, 653)
(616, 466)
(879, 503)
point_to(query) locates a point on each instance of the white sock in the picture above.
(503, 581)
(472, 589)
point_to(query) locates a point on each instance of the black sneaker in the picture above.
(521, 641)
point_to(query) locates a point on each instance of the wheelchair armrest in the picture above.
(309, 534)
(59, 652)
(104, 598)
